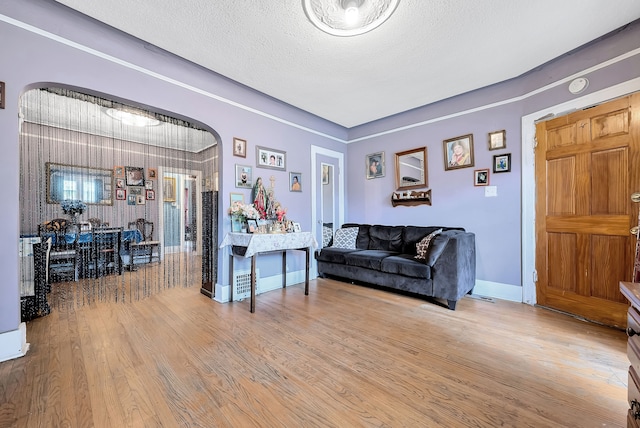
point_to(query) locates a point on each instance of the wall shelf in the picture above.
(414, 198)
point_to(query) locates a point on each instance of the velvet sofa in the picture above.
(385, 256)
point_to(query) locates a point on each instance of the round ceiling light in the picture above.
(132, 118)
(348, 17)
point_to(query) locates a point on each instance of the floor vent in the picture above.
(242, 284)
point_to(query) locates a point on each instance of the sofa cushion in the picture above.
(405, 264)
(370, 259)
(345, 238)
(333, 255)
(386, 238)
(422, 247)
(411, 235)
(362, 241)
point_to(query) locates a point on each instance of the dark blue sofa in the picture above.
(385, 256)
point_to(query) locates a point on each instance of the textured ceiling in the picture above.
(429, 50)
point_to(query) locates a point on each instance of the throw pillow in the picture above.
(326, 236)
(345, 238)
(422, 247)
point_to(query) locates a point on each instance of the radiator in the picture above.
(242, 284)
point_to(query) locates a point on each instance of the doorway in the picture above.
(181, 216)
(584, 178)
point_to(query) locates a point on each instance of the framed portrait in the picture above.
(239, 147)
(120, 183)
(502, 163)
(498, 140)
(481, 177)
(148, 185)
(140, 200)
(295, 182)
(152, 173)
(134, 176)
(151, 195)
(169, 189)
(236, 197)
(131, 200)
(296, 227)
(252, 225)
(458, 152)
(271, 158)
(325, 173)
(118, 171)
(374, 164)
(135, 191)
(244, 176)
(121, 194)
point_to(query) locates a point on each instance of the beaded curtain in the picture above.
(123, 163)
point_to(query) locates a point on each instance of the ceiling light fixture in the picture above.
(348, 17)
(133, 119)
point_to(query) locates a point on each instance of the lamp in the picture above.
(348, 17)
(132, 118)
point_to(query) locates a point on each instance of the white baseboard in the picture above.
(498, 290)
(13, 344)
(265, 284)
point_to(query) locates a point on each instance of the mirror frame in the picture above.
(85, 172)
(425, 178)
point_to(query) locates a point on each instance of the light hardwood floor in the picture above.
(343, 356)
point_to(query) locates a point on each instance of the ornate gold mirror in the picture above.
(411, 169)
(90, 185)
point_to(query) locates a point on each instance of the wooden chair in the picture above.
(147, 250)
(97, 222)
(64, 256)
(105, 258)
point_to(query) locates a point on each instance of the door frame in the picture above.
(316, 180)
(528, 179)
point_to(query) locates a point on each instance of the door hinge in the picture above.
(535, 143)
(535, 275)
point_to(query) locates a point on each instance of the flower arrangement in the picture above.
(73, 206)
(280, 212)
(243, 211)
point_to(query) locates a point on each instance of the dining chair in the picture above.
(97, 222)
(147, 250)
(64, 257)
(105, 251)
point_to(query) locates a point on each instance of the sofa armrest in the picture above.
(454, 264)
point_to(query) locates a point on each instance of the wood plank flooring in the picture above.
(344, 356)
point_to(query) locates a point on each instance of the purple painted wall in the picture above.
(31, 59)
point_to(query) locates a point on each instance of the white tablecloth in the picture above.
(265, 242)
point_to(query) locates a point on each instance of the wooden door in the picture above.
(587, 167)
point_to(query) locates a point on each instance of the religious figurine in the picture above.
(260, 198)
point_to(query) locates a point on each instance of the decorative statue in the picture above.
(260, 198)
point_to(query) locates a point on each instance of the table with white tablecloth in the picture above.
(249, 245)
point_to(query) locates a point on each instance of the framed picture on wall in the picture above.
(295, 182)
(131, 200)
(151, 195)
(239, 147)
(271, 158)
(497, 140)
(481, 177)
(458, 152)
(244, 176)
(152, 173)
(118, 171)
(374, 163)
(121, 194)
(169, 189)
(134, 176)
(502, 163)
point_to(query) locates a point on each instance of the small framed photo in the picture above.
(131, 200)
(374, 164)
(236, 197)
(295, 182)
(151, 195)
(135, 191)
(458, 152)
(169, 189)
(140, 200)
(271, 158)
(239, 147)
(252, 225)
(121, 194)
(135, 176)
(148, 185)
(118, 171)
(152, 173)
(502, 163)
(120, 184)
(481, 177)
(244, 176)
(498, 140)
(325, 173)
(296, 227)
